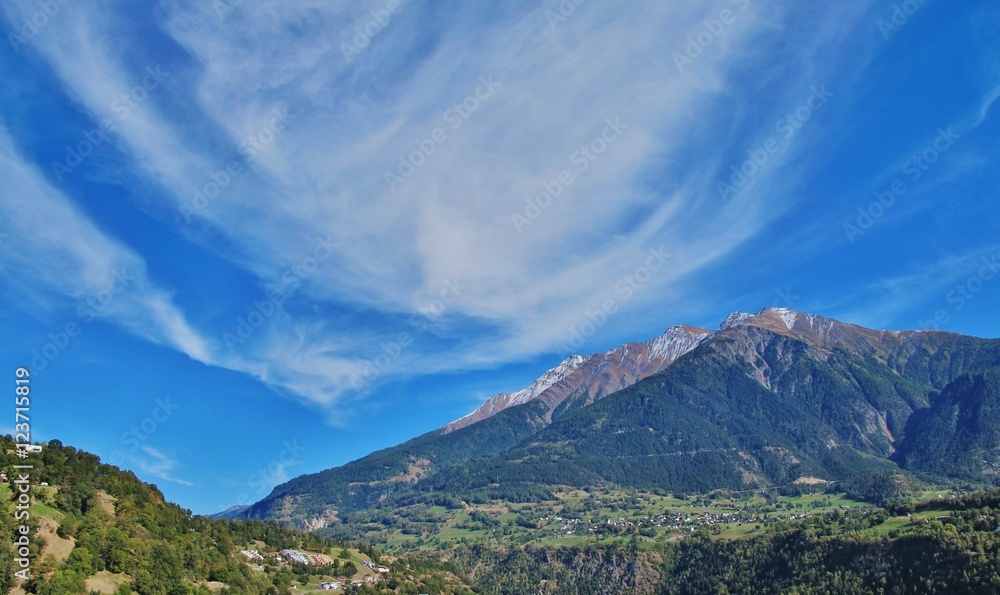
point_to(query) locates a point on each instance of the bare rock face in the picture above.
(322, 521)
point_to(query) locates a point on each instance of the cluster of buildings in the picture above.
(378, 569)
(291, 556)
(252, 555)
(295, 556)
(339, 583)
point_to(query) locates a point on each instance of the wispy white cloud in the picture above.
(158, 464)
(62, 265)
(890, 297)
(59, 261)
(987, 104)
(323, 175)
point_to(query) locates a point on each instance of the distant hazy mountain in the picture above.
(233, 512)
(765, 399)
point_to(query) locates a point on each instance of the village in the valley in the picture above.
(370, 573)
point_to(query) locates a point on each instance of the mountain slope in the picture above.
(315, 500)
(958, 436)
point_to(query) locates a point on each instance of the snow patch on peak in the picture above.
(787, 316)
(572, 362)
(734, 319)
(502, 401)
(546, 380)
(677, 341)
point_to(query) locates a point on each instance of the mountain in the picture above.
(579, 381)
(763, 403)
(316, 500)
(765, 400)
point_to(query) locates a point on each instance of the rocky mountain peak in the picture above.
(579, 381)
(734, 319)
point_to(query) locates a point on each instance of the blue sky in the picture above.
(241, 243)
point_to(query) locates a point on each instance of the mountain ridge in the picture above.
(594, 377)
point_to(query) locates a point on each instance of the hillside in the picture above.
(763, 401)
(96, 529)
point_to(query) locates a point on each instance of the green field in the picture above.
(579, 517)
(37, 508)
